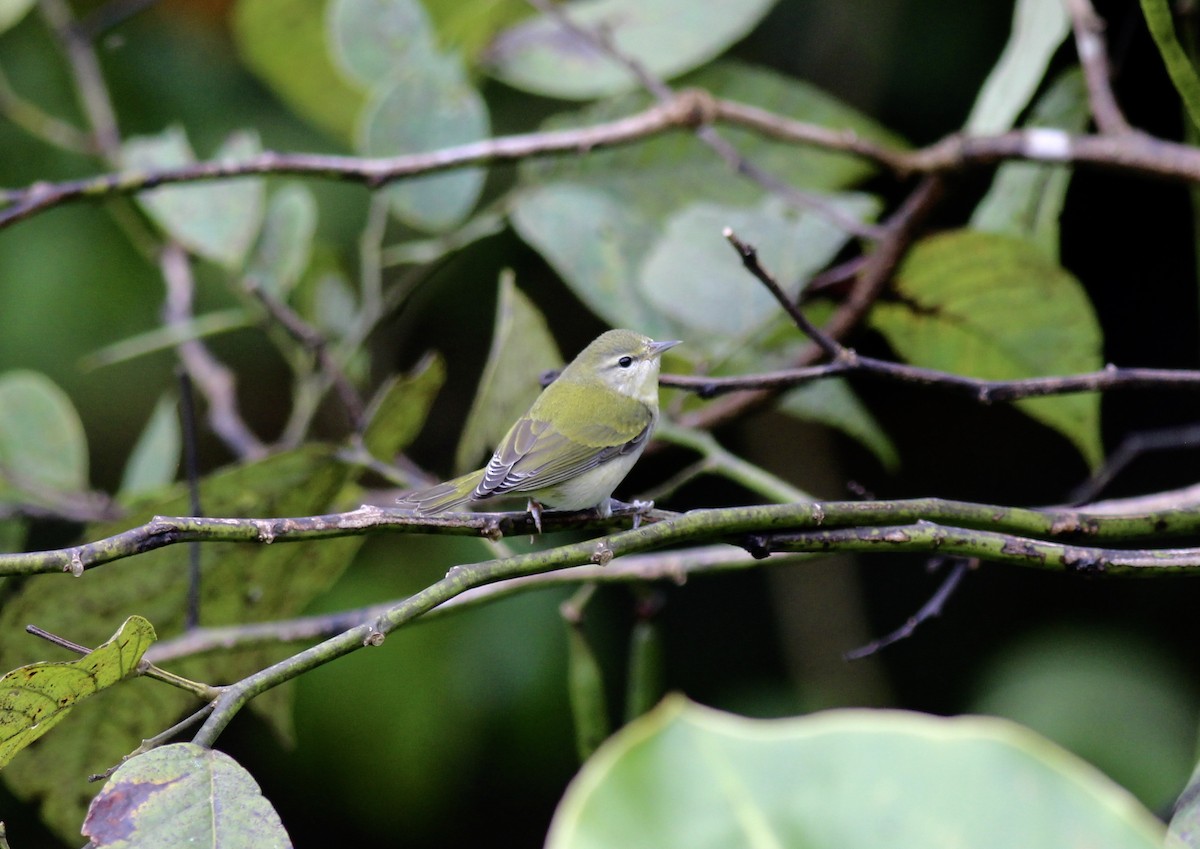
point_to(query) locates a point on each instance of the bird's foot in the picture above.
(535, 511)
(637, 509)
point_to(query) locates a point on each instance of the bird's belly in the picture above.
(593, 488)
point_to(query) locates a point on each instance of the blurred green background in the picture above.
(459, 730)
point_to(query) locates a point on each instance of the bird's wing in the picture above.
(537, 453)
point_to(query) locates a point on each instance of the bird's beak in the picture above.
(656, 348)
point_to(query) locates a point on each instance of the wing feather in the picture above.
(539, 453)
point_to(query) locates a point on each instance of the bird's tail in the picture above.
(443, 496)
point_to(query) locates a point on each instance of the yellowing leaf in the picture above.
(35, 698)
(994, 307)
(183, 795)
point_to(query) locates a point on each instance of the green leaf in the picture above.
(35, 698)
(833, 403)
(1112, 697)
(216, 220)
(43, 450)
(1039, 27)
(284, 43)
(596, 218)
(241, 583)
(686, 776)
(1026, 198)
(285, 243)
(1161, 23)
(666, 37)
(155, 458)
(993, 307)
(372, 38)
(11, 12)
(182, 796)
(419, 100)
(595, 243)
(398, 412)
(421, 108)
(522, 348)
(721, 307)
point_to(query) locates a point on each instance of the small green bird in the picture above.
(579, 439)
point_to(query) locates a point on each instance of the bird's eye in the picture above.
(625, 362)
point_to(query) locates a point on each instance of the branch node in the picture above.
(694, 108)
(374, 638)
(756, 546)
(266, 533)
(602, 555)
(75, 567)
(492, 531)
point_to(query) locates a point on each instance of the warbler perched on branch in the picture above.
(579, 439)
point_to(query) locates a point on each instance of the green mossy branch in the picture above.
(661, 529)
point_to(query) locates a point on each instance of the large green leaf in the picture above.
(522, 348)
(421, 108)
(284, 43)
(241, 583)
(419, 99)
(35, 698)
(218, 220)
(596, 218)
(372, 38)
(693, 277)
(1026, 198)
(667, 37)
(179, 797)
(994, 307)
(1039, 27)
(1114, 698)
(686, 776)
(43, 450)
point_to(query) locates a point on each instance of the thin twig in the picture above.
(89, 79)
(749, 256)
(315, 343)
(600, 39)
(35, 121)
(157, 740)
(145, 668)
(1135, 153)
(215, 380)
(1093, 56)
(676, 566)
(928, 610)
(191, 467)
(977, 389)
(899, 231)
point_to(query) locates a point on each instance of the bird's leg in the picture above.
(535, 510)
(637, 508)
